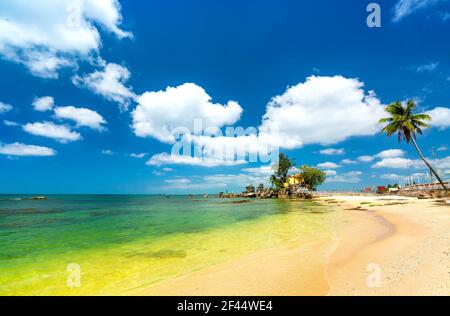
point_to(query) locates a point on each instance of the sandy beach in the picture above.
(384, 245)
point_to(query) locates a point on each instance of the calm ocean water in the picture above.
(125, 243)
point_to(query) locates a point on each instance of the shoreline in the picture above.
(392, 234)
(412, 260)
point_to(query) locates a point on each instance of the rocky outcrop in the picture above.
(270, 193)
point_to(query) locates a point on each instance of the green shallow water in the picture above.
(124, 244)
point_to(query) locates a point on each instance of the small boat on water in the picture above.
(39, 198)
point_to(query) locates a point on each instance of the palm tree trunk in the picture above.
(428, 164)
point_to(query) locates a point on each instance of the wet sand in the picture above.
(383, 246)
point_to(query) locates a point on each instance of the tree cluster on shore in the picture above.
(301, 186)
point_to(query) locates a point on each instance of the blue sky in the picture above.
(306, 67)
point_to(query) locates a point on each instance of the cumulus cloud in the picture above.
(262, 170)
(349, 177)
(403, 8)
(19, 149)
(348, 162)
(109, 83)
(188, 184)
(48, 35)
(365, 158)
(391, 153)
(328, 165)
(404, 163)
(168, 159)
(340, 104)
(4, 107)
(399, 163)
(440, 117)
(330, 172)
(60, 133)
(161, 114)
(236, 180)
(43, 104)
(333, 151)
(82, 116)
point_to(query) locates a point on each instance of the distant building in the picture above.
(294, 180)
(368, 190)
(381, 189)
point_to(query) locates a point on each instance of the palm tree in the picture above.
(407, 125)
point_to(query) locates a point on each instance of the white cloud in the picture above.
(160, 114)
(403, 163)
(43, 104)
(391, 153)
(168, 159)
(365, 158)
(332, 151)
(108, 152)
(235, 180)
(82, 116)
(328, 165)
(188, 184)
(442, 148)
(404, 8)
(349, 177)
(18, 149)
(399, 178)
(109, 83)
(399, 163)
(4, 107)
(178, 181)
(167, 169)
(440, 117)
(391, 176)
(340, 105)
(61, 133)
(348, 162)
(48, 35)
(443, 163)
(330, 172)
(10, 123)
(419, 175)
(140, 156)
(430, 67)
(261, 171)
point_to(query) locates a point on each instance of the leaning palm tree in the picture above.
(407, 125)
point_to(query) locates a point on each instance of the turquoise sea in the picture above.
(121, 244)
